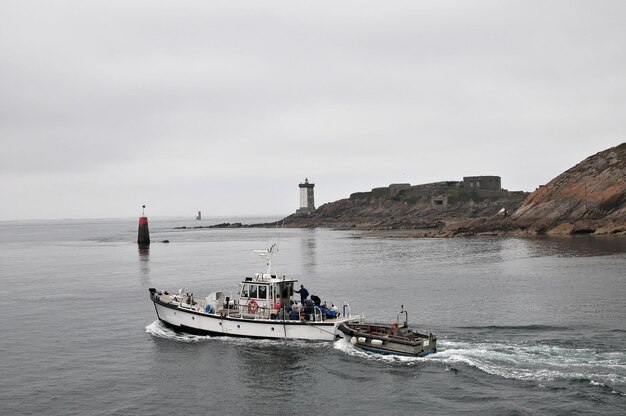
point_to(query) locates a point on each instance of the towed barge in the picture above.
(389, 339)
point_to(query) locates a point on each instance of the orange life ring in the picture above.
(252, 306)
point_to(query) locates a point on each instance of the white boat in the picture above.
(264, 308)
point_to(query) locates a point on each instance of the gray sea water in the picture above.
(525, 326)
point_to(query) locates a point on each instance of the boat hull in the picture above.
(217, 324)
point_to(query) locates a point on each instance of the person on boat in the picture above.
(309, 309)
(304, 294)
(282, 314)
(316, 300)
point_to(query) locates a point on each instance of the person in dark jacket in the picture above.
(316, 300)
(304, 294)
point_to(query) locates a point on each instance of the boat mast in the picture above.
(273, 248)
(267, 254)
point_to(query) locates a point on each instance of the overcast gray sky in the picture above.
(225, 106)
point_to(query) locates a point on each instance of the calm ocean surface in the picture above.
(525, 326)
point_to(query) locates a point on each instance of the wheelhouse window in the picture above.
(262, 292)
(286, 290)
(253, 291)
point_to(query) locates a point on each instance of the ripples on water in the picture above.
(532, 361)
(524, 325)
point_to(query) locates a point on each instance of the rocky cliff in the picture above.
(588, 198)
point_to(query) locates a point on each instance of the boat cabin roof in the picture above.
(267, 278)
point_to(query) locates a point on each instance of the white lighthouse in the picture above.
(307, 201)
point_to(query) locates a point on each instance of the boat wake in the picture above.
(158, 330)
(538, 362)
(516, 328)
(533, 362)
(344, 346)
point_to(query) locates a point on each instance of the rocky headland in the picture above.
(589, 198)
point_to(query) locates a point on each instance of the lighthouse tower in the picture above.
(307, 202)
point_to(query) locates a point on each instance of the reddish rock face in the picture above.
(590, 197)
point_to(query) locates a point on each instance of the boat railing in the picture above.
(243, 311)
(357, 318)
(318, 315)
(256, 311)
(315, 314)
(353, 318)
(187, 301)
(246, 311)
(406, 317)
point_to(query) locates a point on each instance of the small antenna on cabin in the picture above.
(280, 230)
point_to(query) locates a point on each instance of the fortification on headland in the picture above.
(441, 193)
(588, 198)
(428, 207)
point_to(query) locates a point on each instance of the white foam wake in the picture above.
(157, 329)
(344, 346)
(532, 362)
(537, 362)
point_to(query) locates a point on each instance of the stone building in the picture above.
(482, 183)
(440, 194)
